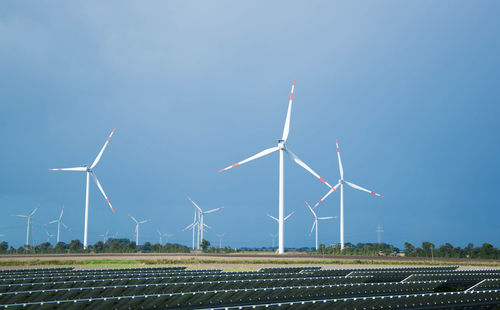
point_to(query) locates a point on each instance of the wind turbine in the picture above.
(277, 220)
(104, 236)
(193, 226)
(163, 235)
(137, 223)
(273, 237)
(315, 223)
(201, 224)
(220, 236)
(341, 184)
(59, 222)
(30, 223)
(282, 149)
(90, 171)
(49, 235)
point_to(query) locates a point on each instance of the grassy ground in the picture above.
(233, 263)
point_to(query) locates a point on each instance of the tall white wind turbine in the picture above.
(105, 236)
(341, 184)
(201, 223)
(29, 225)
(282, 149)
(137, 223)
(90, 172)
(193, 226)
(59, 222)
(315, 223)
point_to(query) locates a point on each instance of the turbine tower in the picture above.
(193, 226)
(201, 224)
(59, 222)
(90, 172)
(30, 223)
(379, 231)
(315, 223)
(136, 232)
(282, 149)
(341, 184)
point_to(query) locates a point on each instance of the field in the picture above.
(306, 287)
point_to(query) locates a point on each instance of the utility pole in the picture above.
(274, 238)
(379, 231)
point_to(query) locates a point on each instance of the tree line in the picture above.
(110, 246)
(428, 249)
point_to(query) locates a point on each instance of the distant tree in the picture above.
(45, 247)
(204, 244)
(146, 247)
(428, 248)
(61, 247)
(4, 246)
(98, 247)
(487, 251)
(75, 246)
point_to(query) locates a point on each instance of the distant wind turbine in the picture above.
(49, 235)
(341, 184)
(277, 220)
(104, 236)
(282, 149)
(59, 222)
(193, 226)
(315, 223)
(137, 223)
(201, 224)
(163, 235)
(90, 172)
(30, 223)
(220, 236)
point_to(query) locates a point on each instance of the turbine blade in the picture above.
(102, 191)
(327, 217)
(145, 221)
(213, 210)
(64, 225)
(199, 209)
(205, 225)
(327, 194)
(312, 228)
(34, 211)
(133, 218)
(289, 215)
(20, 215)
(286, 129)
(362, 189)
(52, 222)
(340, 162)
(102, 151)
(60, 216)
(303, 165)
(70, 169)
(258, 155)
(273, 218)
(190, 226)
(310, 209)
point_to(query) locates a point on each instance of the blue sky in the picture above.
(410, 89)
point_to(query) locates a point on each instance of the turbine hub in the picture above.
(281, 144)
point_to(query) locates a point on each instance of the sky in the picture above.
(410, 90)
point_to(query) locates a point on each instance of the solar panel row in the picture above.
(268, 287)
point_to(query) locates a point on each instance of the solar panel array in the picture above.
(290, 287)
